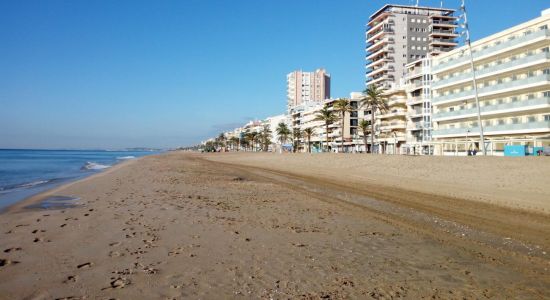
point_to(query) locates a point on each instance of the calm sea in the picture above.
(24, 173)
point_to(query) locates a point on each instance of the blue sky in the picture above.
(115, 74)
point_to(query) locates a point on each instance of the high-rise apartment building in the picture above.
(397, 35)
(307, 86)
(512, 69)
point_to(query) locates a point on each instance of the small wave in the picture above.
(94, 166)
(9, 188)
(125, 157)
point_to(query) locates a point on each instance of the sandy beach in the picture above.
(264, 225)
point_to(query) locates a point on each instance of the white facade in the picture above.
(513, 79)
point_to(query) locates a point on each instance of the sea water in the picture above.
(24, 173)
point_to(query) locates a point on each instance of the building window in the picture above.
(531, 119)
(515, 120)
(547, 118)
(547, 94)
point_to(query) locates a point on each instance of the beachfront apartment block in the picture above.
(512, 69)
(391, 123)
(307, 87)
(398, 34)
(419, 110)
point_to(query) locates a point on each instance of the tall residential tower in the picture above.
(307, 86)
(397, 35)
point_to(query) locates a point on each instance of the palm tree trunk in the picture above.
(343, 127)
(326, 146)
(372, 130)
(309, 144)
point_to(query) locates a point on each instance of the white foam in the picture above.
(125, 157)
(94, 166)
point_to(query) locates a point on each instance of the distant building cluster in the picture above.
(427, 86)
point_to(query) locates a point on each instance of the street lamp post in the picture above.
(467, 31)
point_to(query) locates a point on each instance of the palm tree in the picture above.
(364, 126)
(249, 137)
(309, 132)
(374, 99)
(296, 136)
(326, 115)
(265, 137)
(221, 139)
(235, 142)
(342, 105)
(283, 132)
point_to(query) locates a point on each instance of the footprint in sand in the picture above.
(5, 262)
(114, 244)
(115, 254)
(84, 265)
(13, 249)
(70, 279)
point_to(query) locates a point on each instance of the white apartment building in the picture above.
(398, 34)
(419, 109)
(512, 69)
(307, 87)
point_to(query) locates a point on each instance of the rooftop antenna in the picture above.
(468, 43)
(441, 3)
(417, 3)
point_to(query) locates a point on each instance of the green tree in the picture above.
(327, 116)
(342, 106)
(374, 99)
(364, 125)
(265, 137)
(221, 139)
(308, 132)
(296, 136)
(282, 133)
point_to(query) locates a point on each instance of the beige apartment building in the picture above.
(307, 87)
(398, 34)
(512, 69)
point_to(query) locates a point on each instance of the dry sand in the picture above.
(223, 225)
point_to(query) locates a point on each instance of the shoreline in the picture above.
(21, 204)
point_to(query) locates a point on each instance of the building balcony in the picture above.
(386, 49)
(386, 68)
(380, 43)
(415, 113)
(532, 104)
(380, 61)
(392, 114)
(414, 74)
(519, 128)
(379, 35)
(380, 79)
(493, 50)
(384, 127)
(414, 126)
(374, 29)
(494, 89)
(417, 100)
(416, 85)
(434, 42)
(524, 62)
(379, 19)
(443, 33)
(398, 100)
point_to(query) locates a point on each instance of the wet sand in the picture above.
(182, 225)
